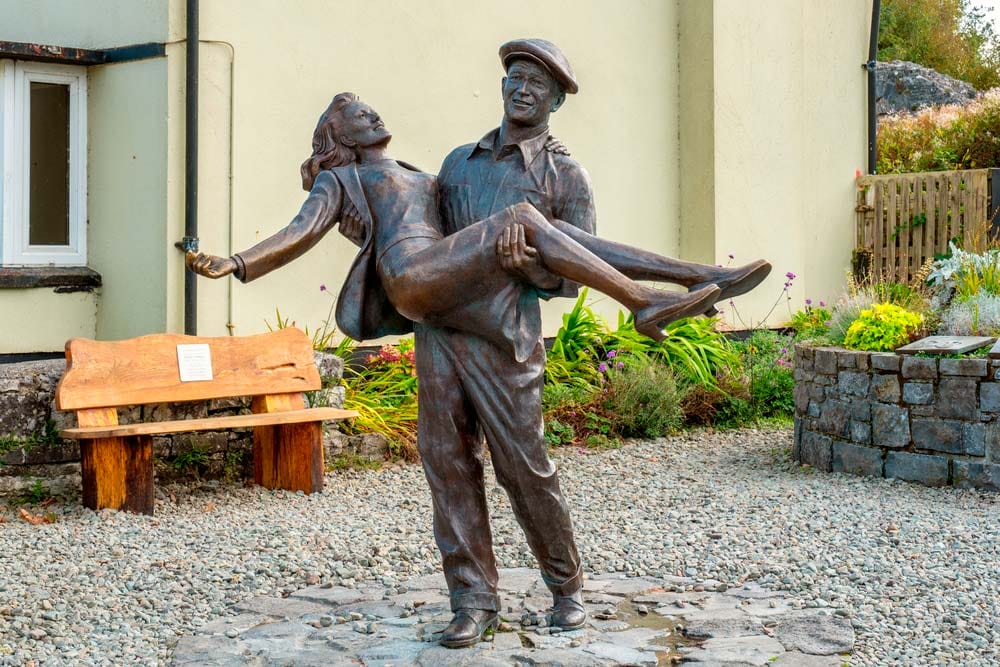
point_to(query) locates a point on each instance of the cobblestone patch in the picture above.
(646, 621)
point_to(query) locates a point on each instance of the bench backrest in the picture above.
(146, 370)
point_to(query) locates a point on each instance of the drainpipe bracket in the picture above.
(188, 243)
(870, 66)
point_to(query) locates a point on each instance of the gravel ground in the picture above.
(916, 569)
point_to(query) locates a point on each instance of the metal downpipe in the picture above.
(190, 241)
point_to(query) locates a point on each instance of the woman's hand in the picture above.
(210, 266)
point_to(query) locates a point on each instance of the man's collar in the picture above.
(530, 148)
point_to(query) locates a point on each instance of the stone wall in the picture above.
(27, 413)
(928, 420)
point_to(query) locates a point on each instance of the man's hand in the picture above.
(520, 259)
(210, 266)
(351, 225)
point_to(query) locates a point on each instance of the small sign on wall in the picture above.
(194, 362)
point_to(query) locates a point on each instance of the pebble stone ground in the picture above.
(913, 569)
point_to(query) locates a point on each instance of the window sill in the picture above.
(62, 278)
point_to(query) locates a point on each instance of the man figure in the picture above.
(469, 386)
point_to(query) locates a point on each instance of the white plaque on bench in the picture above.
(194, 362)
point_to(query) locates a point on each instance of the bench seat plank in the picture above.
(208, 424)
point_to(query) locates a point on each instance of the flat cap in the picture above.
(547, 54)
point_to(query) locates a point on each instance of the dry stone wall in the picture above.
(928, 420)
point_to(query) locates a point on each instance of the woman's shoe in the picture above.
(650, 320)
(736, 281)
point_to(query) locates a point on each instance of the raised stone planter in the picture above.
(928, 420)
(27, 410)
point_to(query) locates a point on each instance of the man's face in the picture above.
(530, 93)
(359, 125)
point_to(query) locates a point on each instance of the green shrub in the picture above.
(942, 138)
(643, 399)
(384, 392)
(883, 328)
(811, 321)
(577, 346)
(693, 348)
(769, 377)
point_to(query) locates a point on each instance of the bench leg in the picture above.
(289, 456)
(118, 473)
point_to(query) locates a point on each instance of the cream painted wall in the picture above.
(431, 69)
(127, 195)
(789, 133)
(90, 24)
(40, 320)
(696, 139)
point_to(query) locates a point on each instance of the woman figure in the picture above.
(408, 271)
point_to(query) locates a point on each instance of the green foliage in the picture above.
(576, 347)
(35, 494)
(643, 399)
(883, 328)
(952, 36)
(811, 321)
(232, 466)
(558, 433)
(692, 348)
(942, 138)
(767, 368)
(194, 459)
(322, 338)
(47, 437)
(862, 297)
(353, 462)
(384, 392)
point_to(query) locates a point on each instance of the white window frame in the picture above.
(15, 122)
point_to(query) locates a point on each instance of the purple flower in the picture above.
(602, 367)
(620, 365)
(809, 302)
(828, 323)
(784, 350)
(322, 288)
(822, 304)
(790, 275)
(612, 354)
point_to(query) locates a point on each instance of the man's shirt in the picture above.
(480, 179)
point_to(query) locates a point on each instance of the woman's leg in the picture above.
(447, 275)
(639, 264)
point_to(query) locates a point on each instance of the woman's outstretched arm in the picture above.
(318, 215)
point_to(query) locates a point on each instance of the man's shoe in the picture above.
(568, 612)
(468, 626)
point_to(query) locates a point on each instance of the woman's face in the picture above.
(358, 125)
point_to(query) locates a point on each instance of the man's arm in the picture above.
(574, 203)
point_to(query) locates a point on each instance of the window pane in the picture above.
(49, 153)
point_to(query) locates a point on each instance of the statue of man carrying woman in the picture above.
(461, 260)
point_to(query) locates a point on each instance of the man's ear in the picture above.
(503, 84)
(558, 102)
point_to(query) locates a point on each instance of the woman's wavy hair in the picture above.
(328, 152)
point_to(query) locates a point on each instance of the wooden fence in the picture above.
(905, 219)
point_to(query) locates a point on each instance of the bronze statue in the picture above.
(461, 260)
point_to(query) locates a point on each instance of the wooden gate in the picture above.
(905, 219)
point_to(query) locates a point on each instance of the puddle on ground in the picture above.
(672, 642)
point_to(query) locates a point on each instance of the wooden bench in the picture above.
(274, 369)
